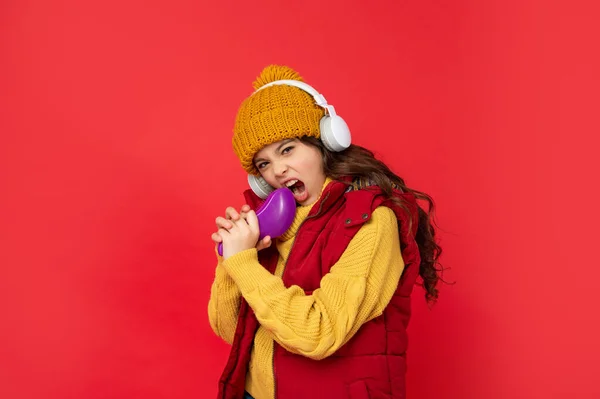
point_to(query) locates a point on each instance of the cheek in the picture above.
(311, 168)
(268, 176)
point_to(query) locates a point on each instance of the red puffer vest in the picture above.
(372, 364)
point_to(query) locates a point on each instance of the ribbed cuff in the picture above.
(245, 270)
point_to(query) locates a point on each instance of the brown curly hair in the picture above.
(357, 161)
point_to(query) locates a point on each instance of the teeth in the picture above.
(291, 183)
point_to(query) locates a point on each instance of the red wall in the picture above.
(115, 158)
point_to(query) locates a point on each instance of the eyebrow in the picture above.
(287, 141)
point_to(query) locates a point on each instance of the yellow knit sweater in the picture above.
(357, 289)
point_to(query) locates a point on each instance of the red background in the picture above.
(115, 158)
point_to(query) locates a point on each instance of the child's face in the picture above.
(288, 161)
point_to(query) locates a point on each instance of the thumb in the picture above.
(264, 243)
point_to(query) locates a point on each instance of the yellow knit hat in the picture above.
(272, 114)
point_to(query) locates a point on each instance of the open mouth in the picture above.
(298, 189)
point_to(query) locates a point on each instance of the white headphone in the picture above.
(335, 133)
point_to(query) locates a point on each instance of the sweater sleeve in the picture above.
(357, 289)
(224, 304)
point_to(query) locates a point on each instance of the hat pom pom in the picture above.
(273, 73)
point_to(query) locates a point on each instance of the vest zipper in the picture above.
(282, 274)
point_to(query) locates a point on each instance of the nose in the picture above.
(280, 168)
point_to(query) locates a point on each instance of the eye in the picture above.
(262, 165)
(287, 149)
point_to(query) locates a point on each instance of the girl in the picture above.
(323, 312)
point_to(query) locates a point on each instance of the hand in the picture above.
(224, 225)
(241, 236)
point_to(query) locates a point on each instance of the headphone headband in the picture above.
(318, 97)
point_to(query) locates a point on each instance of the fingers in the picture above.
(241, 223)
(223, 234)
(246, 228)
(216, 238)
(252, 220)
(232, 213)
(232, 220)
(253, 225)
(244, 211)
(223, 223)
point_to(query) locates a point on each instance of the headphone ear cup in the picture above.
(259, 186)
(335, 133)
